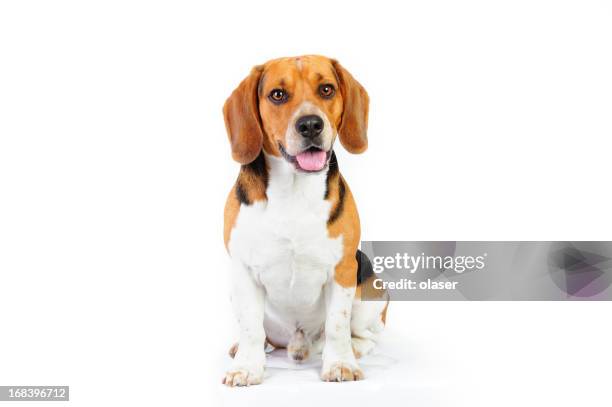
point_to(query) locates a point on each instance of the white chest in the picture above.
(285, 243)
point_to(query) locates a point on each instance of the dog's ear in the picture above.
(353, 129)
(242, 120)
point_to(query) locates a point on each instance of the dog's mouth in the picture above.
(312, 159)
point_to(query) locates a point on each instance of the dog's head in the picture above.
(294, 108)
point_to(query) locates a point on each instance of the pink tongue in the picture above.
(311, 160)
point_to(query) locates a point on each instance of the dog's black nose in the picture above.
(309, 126)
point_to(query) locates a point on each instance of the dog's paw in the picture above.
(242, 377)
(341, 372)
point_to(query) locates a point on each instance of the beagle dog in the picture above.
(291, 224)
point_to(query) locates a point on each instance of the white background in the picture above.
(488, 120)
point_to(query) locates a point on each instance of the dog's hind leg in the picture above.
(368, 317)
(367, 323)
(362, 346)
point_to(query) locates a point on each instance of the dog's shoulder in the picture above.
(249, 188)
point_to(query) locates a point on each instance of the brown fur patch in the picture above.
(354, 126)
(347, 225)
(344, 219)
(242, 120)
(232, 206)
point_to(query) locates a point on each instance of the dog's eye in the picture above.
(327, 90)
(278, 96)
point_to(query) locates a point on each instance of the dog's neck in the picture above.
(273, 178)
(285, 181)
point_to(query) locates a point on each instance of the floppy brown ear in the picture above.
(353, 128)
(242, 121)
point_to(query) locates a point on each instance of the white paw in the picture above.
(243, 377)
(341, 372)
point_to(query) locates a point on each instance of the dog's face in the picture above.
(300, 108)
(293, 108)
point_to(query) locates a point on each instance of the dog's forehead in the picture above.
(289, 70)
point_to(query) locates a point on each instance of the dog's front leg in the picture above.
(339, 362)
(248, 304)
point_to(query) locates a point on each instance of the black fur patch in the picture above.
(364, 267)
(241, 194)
(331, 173)
(258, 168)
(340, 205)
